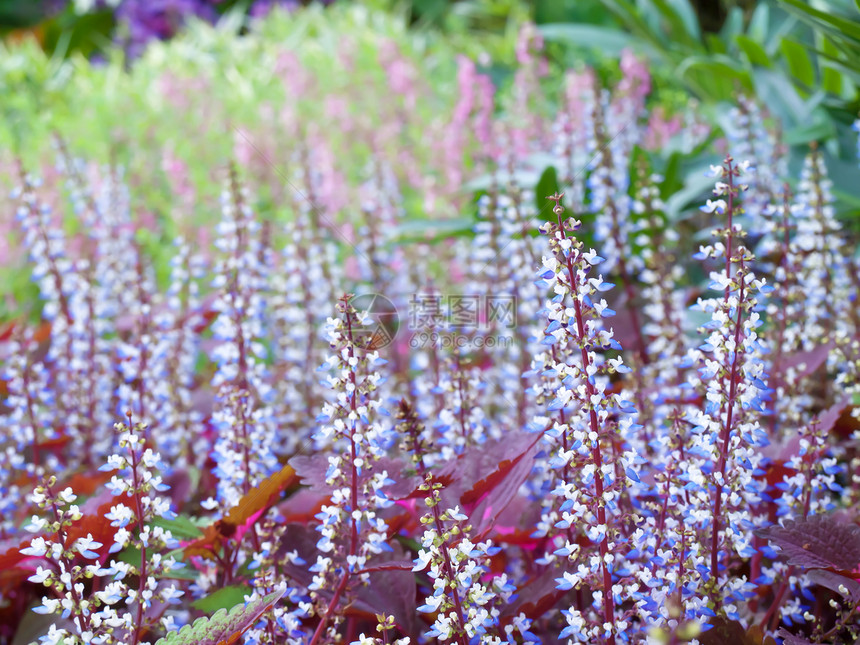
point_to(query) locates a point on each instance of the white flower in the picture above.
(718, 205)
(38, 547)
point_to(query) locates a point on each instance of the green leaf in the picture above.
(547, 185)
(626, 12)
(607, 39)
(799, 64)
(684, 26)
(733, 25)
(843, 174)
(180, 527)
(15, 14)
(695, 188)
(423, 230)
(754, 52)
(759, 22)
(715, 44)
(818, 130)
(223, 598)
(831, 79)
(716, 77)
(672, 181)
(847, 28)
(783, 99)
(223, 627)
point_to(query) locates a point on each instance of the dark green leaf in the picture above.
(683, 24)
(754, 52)
(547, 185)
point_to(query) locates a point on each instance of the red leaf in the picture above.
(817, 542)
(790, 639)
(509, 463)
(833, 581)
(725, 631)
(537, 596)
(811, 360)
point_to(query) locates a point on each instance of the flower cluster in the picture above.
(64, 571)
(138, 532)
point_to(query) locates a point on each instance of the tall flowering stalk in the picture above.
(465, 604)
(177, 348)
(751, 139)
(245, 449)
(350, 530)
(64, 572)
(60, 287)
(133, 518)
(301, 283)
(503, 255)
(98, 615)
(600, 469)
(732, 380)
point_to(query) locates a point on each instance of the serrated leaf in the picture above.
(505, 466)
(222, 598)
(223, 628)
(817, 542)
(790, 639)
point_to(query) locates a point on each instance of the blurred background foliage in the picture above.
(112, 79)
(800, 58)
